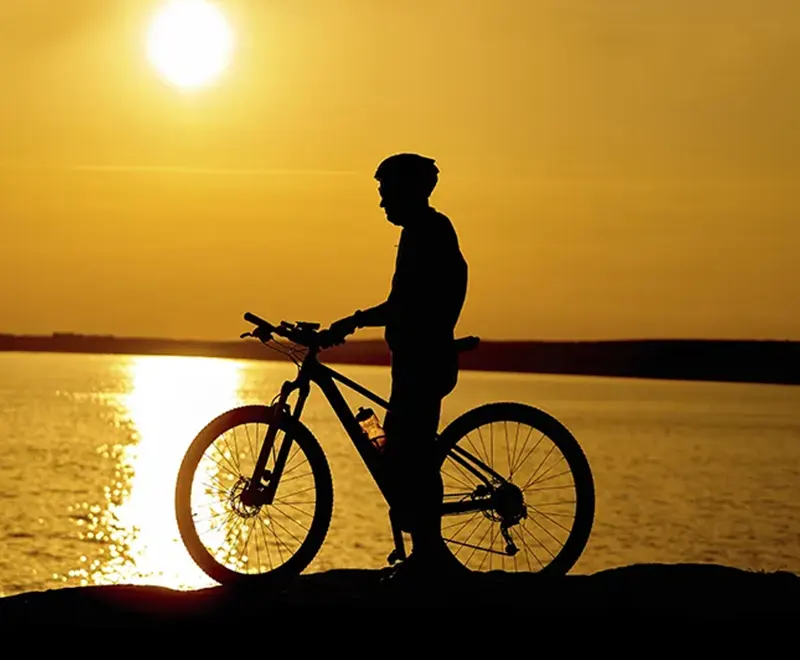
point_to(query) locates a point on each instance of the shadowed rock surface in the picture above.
(690, 591)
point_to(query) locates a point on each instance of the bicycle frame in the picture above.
(312, 371)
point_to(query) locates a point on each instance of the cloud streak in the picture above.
(178, 169)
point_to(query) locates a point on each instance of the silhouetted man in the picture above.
(420, 314)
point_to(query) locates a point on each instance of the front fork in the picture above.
(264, 483)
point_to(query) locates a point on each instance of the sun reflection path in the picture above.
(171, 399)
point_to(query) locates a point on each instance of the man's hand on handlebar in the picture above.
(343, 327)
(338, 331)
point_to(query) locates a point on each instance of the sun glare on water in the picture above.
(190, 43)
(170, 400)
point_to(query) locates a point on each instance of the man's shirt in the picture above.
(428, 288)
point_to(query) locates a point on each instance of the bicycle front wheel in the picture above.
(518, 491)
(232, 539)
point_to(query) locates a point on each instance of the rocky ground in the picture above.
(643, 591)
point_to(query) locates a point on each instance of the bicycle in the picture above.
(246, 490)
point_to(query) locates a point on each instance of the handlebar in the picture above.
(301, 333)
(255, 320)
(310, 335)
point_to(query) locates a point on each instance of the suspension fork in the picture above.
(266, 493)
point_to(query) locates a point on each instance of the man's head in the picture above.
(406, 182)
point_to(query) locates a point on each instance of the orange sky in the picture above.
(614, 169)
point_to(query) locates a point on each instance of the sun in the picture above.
(190, 43)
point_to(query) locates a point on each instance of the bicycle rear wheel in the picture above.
(519, 490)
(238, 542)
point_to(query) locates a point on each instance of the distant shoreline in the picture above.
(768, 362)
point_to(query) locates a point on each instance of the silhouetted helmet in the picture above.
(411, 171)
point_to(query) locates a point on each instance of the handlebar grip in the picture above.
(255, 320)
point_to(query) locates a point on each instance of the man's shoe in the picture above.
(429, 568)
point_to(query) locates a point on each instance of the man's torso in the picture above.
(428, 289)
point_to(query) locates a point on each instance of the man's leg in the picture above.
(411, 425)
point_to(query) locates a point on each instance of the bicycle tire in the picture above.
(323, 505)
(459, 431)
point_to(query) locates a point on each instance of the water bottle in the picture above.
(371, 427)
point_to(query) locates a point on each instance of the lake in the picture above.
(90, 447)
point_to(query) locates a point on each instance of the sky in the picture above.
(616, 169)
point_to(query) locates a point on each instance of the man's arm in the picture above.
(373, 317)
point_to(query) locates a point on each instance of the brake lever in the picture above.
(263, 340)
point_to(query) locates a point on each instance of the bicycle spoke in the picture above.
(246, 554)
(477, 547)
(272, 519)
(266, 541)
(491, 444)
(228, 460)
(555, 503)
(236, 538)
(508, 455)
(297, 476)
(464, 543)
(531, 483)
(458, 522)
(491, 549)
(489, 529)
(296, 508)
(547, 531)
(540, 480)
(474, 448)
(210, 517)
(525, 444)
(248, 537)
(283, 513)
(250, 444)
(213, 489)
(543, 488)
(531, 551)
(483, 444)
(455, 478)
(538, 467)
(301, 502)
(547, 455)
(555, 522)
(533, 449)
(285, 472)
(297, 492)
(471, 478)
(279, 542)
(258, 552)
(238, 453)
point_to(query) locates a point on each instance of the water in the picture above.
(90, 447)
